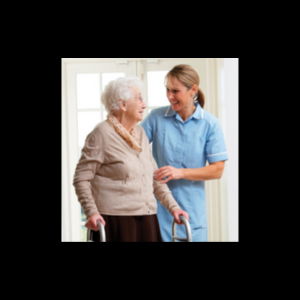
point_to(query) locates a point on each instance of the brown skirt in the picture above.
(130, 229)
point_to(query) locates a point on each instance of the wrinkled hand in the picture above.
(91, 222)
(168, 171)
(179, 212)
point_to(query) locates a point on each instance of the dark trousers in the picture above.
(130, 229)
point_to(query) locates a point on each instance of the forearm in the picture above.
(212, 171)
(85, 198)
(164, 195)
(88, 164)
(162, 192)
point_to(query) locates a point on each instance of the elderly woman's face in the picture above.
(135, 106)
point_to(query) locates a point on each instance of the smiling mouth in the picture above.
(174, 102)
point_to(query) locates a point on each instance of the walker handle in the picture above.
(187, 228)
(101, 231)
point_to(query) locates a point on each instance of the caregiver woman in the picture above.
(183, 137)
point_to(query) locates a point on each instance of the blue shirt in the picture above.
(186, 144)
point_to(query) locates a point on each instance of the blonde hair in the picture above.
(188, 77)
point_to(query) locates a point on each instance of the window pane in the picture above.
(86, 123)
(156, 88)
(88, 91)
(107, 77)
(83, 216)
(83, 233)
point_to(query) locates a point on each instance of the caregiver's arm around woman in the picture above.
(212, 171)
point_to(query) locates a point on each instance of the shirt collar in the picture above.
(198, 114)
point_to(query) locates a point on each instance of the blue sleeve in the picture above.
(215, 148)
(147, 125)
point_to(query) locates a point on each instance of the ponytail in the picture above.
(200, 97)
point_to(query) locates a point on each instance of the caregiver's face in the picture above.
(179, 96)
(136, 105)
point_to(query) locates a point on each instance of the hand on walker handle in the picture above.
(179, 212)
(91, 222)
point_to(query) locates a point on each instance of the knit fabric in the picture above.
(112, 178)
(130, 137)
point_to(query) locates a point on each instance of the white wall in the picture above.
(231, 136)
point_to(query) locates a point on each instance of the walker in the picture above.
(174, 234)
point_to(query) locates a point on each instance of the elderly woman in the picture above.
(114, 178)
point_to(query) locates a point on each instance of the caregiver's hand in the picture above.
(91, 222)
(168, 171)
(179, 212)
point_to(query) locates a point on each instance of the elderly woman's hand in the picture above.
(91, 222)
(179, 212)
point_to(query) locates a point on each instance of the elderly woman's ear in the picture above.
(122, 105)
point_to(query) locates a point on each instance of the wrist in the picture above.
(174, 210)
(96, 214)
(183, 173)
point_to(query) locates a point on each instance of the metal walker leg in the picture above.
(101, 231)
(187, 228)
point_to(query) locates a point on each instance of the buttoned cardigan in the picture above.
(111, 178)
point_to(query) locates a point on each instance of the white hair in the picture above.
(121, 88)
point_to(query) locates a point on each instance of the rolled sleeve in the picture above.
(215, 145)
(217, 157)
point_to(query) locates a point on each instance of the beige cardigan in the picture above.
(113, 179)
